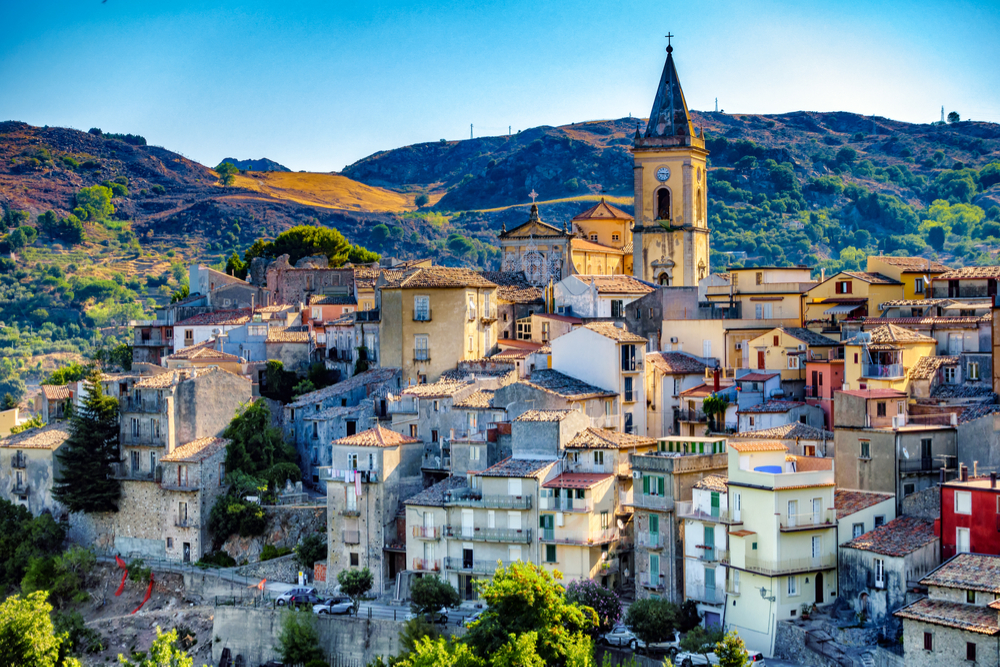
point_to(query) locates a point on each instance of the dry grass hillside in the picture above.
(331, 191)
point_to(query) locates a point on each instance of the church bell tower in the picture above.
(671, 227)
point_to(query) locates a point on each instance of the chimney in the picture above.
(941, 476)
(716, 384)
(975, 469)
(822, 275)
(993, 480)
(964, 471)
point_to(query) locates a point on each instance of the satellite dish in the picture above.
(621, 526)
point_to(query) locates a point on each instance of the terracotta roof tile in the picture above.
(511, 467)
(903, 303)
(901, 536)
(435, 495)
(912, 263)
(286, 335)
(196, 450)
(873, 278)
(227, 317)
(203, 352)
(714, 482)
(889, 333)
(974, 412)
(793, 431)
(619, 334)
(970, 273)
(747, 447)
(927, 368)
(545, 415)
(53, 392)
(436, 277)
(771, 407)
(971, 572)
(968, 617)
(563, 385)
(50, 436)
(756, 377)
(374, 376)
(602, 211)
(810, 463)
(617, 284)
(676, 363)
(513, 287)
(600, 438)
(376, 437)
(332, 300)
(809, 337)
(479, 400)
(953, 320)
(439, 389)
(577, 480)
(849, 501)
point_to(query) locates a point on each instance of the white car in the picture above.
(620, 635)
(670, 647)
(475, 617)
(690, 659)
(335, 605)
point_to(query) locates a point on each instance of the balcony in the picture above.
(426, 565)
(184, 522)
(655, 582)
(404, 405)
(620, 469)
(187, 486)
(350, 511)
(154, 405)
(151, 341)
(346, 475)
(590, 538)
(687, 510)
(427, 532)
(422, 315)
(21, 489)
(141, 440)
(706, 594)
(919, 465)
(18, 460)
(475, 566)
(122, 470)
(651, 541)
(421, 354)
(492, 502)
(882, 371)
(432, 461)
(644, 501)
(707, 554)
(606, 421)
(565, 504)
(774, 568)
(516, 535)
(350, 536)
(808, 521)
(687, 415)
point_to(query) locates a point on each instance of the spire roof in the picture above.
(670, 116)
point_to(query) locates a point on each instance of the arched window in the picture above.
(663, 204)
(664, 279)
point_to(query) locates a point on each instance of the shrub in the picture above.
(158, 189)
(311, 550)
(270, 552)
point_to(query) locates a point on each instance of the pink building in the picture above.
(823, 377)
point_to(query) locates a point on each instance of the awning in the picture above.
(844, 309)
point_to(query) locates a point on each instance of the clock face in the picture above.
(662, 174)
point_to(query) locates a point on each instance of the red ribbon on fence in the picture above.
(149, 592)
(123, 566)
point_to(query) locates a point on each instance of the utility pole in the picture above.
(508, 127)
(716, 105)
(470, 130)
(942, 114)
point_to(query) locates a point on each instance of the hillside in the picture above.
(262, 164)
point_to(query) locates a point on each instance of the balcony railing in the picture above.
(645, 501)
(492, 502)
(143, 439)
(350, 536)
(426, 565)
(188, 485)
(123, 470)
(565, 504)
(608, 566)
(686, 415)
(785, 566)
(422, 315)
(589, 538)
(606, 421)
(18, 460)
(918, 465)
(808, 520)
(475, 566)
(882, 370)
(519, 535)
(686, 509)
(706, 594)
(404, 405)
(421, 354)
(432, 461)
(707, 554)
(654, 582)
(151, 341)
(183, 522)
(154, 405)
(652, 541)
(427, 532)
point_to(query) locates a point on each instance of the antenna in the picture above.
(942, 113)
(470, 130)
(717, 105)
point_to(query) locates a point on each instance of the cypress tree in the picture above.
(85, 484)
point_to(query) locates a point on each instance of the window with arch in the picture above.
(664, 279)
(663, 204)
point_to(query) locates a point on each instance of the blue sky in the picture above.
(318, 85)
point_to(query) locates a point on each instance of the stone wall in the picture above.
(284, 569)
(949, 645)
(254, 633)
(790, 644)
(925, 504)
(286, 526)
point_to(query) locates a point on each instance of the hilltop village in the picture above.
(799, 455)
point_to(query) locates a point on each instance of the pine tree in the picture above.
(84, 484)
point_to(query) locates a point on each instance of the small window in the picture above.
(413, 430)
(857, 530)
(593, 237)
(970, 597)
(793, 586)
(970, 651)
(355, 560)
(949, 374)
(615, 237)
(880, 520)
(550, 553)
(963, 502)
(753, 547)
(866, 449)
(973, 374)
(170, 543)
(928, 641)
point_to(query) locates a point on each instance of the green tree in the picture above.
(84, 483)
(13, 218)
(258, 448)
(355, 584)
(17, 239)
(688, 617)
(26, 633)
(731, 651)
(414, 630)
(988, 176)
(183, 293)
(701, 640)
(10, 380)
(236, 267)
(96, 201)
(441, 652)
(715, 408)
(298, 642)
(936, 236)
(379, 235)
(8, 402)
(71, 373)
(233, 514)
(652, 619)
(227, 173)
(165, 652)
(311, 549)
(524, 598)
(23, 537)
(429, 594)
(846, 155)
(953, 117)
(421, 200)
(64, 576)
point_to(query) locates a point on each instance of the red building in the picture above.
(970, 516)
(823, 377)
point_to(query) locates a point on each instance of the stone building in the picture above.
(289, 345)
(958, 620)
(667, 375)
(204, 355)
(546, 389)
(53, 401)
(516, 299)
(294, 285)
(877, 568)
(194, 476)
(539, 250)
(373, 472)
(28, 467)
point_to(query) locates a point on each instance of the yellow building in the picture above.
(577, 523)
(786, 350)
(782, 539)
(916, 273)
(432, 318)
(849, 294)
(603, 245)
(882, 357)
(540, 250)
(671, 234)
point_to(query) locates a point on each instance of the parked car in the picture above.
(285, 597)
(340, 604)
(620, 635)
(670, 648)
(756, 658)
(457, 614)
(299, 600)
(475, 617)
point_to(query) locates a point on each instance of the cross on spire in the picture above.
(533, 195)
(668, 36)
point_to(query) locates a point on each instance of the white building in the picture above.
(598, 296)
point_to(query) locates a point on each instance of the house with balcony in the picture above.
(783, 542)
(800, 439)
(959, 617)
(608, 356)
(193, 478)
(329, 307)
(314, 420)
(771, 414)
(690, 418)
(967, 283)
(848, 295)
(543, 327)
(577, 528)
(28, 467)
(516, 299)
(881, 357)
(706, 538)
(547, 389)
(823, 378)
(878, 568)
(965, 502)
(373, 473)
(204, 355)
(478, 444)
(667, 375)
(659, 480)
(786, 351)
(598, 296)
(915, 273)
(434, 317)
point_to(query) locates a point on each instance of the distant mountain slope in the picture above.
(262, 164)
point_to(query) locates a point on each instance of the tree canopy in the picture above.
(84, 483)
(306, 241)
(355, 584)
(27, 636)
(652, 619)
(258, 448)
(429, 593)
(96, 202)
(227, 173)
(605, 602)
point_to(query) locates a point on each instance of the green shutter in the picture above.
(654, 568)
(659, 484)
(654, 524)
(645, 485)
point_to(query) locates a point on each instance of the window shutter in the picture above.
(645, 485)
(659, 484)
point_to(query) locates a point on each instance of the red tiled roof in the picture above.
(872, 393)
(848, 501)
(756, 377)
(971, 572)
(196, 450)
(912, 263)
(615, 333)
(376, 437)
(602, 211)
(968, 617)
(901, 536)
(54, 392)
(676, 363)
(577, 480)
(746, 447)
(772, 407)
(227, 317)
